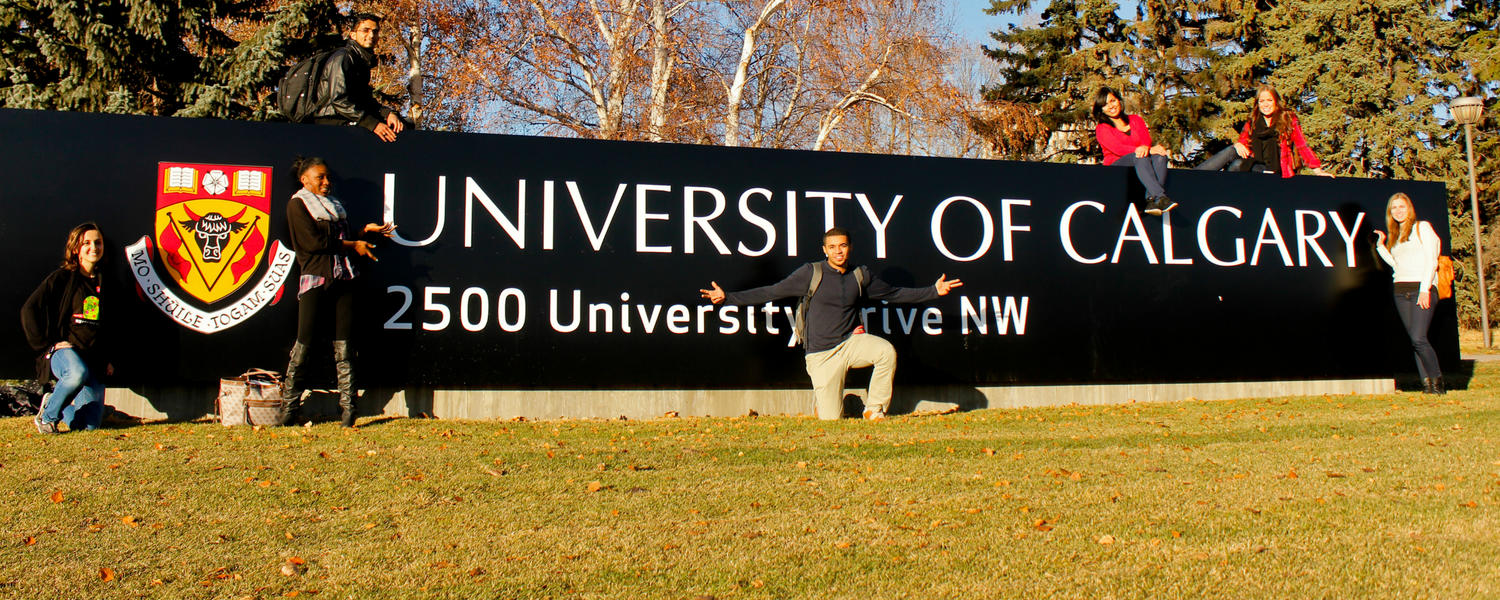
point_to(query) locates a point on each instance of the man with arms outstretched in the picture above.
(830, 333)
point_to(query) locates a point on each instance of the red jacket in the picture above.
(1308, 158)
(1116, 144)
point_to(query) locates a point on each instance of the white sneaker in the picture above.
(875, 414)
(44, 427)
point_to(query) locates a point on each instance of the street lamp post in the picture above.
(1467, 110)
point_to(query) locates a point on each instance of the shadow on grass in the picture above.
(1454, 378)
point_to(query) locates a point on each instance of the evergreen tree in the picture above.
(1362, 75)
(1175, 64)
(1478, 48)
(1165, 61)
(1231, 29)
(199, 58)
(1055, 67)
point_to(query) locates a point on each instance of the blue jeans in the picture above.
(1417, 320)
(1229, 159)
(78, 398)
(1151, 170)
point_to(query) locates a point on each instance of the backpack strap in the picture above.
(812, 286)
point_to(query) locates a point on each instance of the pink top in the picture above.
(1117, 144)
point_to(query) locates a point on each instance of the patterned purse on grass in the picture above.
(250, 399)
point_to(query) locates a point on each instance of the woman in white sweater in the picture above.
(1412, 250)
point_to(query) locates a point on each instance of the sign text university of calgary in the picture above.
(688, 220)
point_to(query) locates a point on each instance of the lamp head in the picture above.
(1466, 110)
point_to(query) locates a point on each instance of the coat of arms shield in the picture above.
(212, 223)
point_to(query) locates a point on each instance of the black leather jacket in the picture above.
(346, 83)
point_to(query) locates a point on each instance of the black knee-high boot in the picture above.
(291, 387)
(345, 371)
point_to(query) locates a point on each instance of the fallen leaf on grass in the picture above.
(30, 540)
(1332, 474)
(1042, 525)
(1292, 474)
(841, 544)
(476, 571)
(106, 574)
(988, 451)
(57, 496)
(129, 520)
(595, 486)
(1106, 539)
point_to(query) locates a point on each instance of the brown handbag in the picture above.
(253, 398)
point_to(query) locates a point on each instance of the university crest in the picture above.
(211, 233)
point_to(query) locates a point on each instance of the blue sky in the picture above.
(972, 23)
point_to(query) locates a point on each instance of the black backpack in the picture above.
(297, 92)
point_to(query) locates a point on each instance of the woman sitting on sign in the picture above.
(62, 321)
(325, 246)
(1126, 142)
(1412, 249)
(1271, 142)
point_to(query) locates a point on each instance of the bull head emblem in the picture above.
(211, 230)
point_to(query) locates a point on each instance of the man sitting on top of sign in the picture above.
(828, 323)
(346, 84)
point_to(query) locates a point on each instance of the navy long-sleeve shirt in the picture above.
(833, 312)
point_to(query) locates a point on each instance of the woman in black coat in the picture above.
(326, 246)
(62, 320)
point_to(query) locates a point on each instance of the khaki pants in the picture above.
(828, 368)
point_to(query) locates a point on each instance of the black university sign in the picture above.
(540, 263)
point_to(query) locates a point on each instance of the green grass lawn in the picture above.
(1392, 496)
(1471, 341)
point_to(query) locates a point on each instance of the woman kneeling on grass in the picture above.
(1126, 142)
(62, 321)
(1412, 250)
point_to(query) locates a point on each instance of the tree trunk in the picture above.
(413, 42)
(661, 72)
(737, 88)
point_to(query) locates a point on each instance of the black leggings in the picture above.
(1417, 320)
(315, 304)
